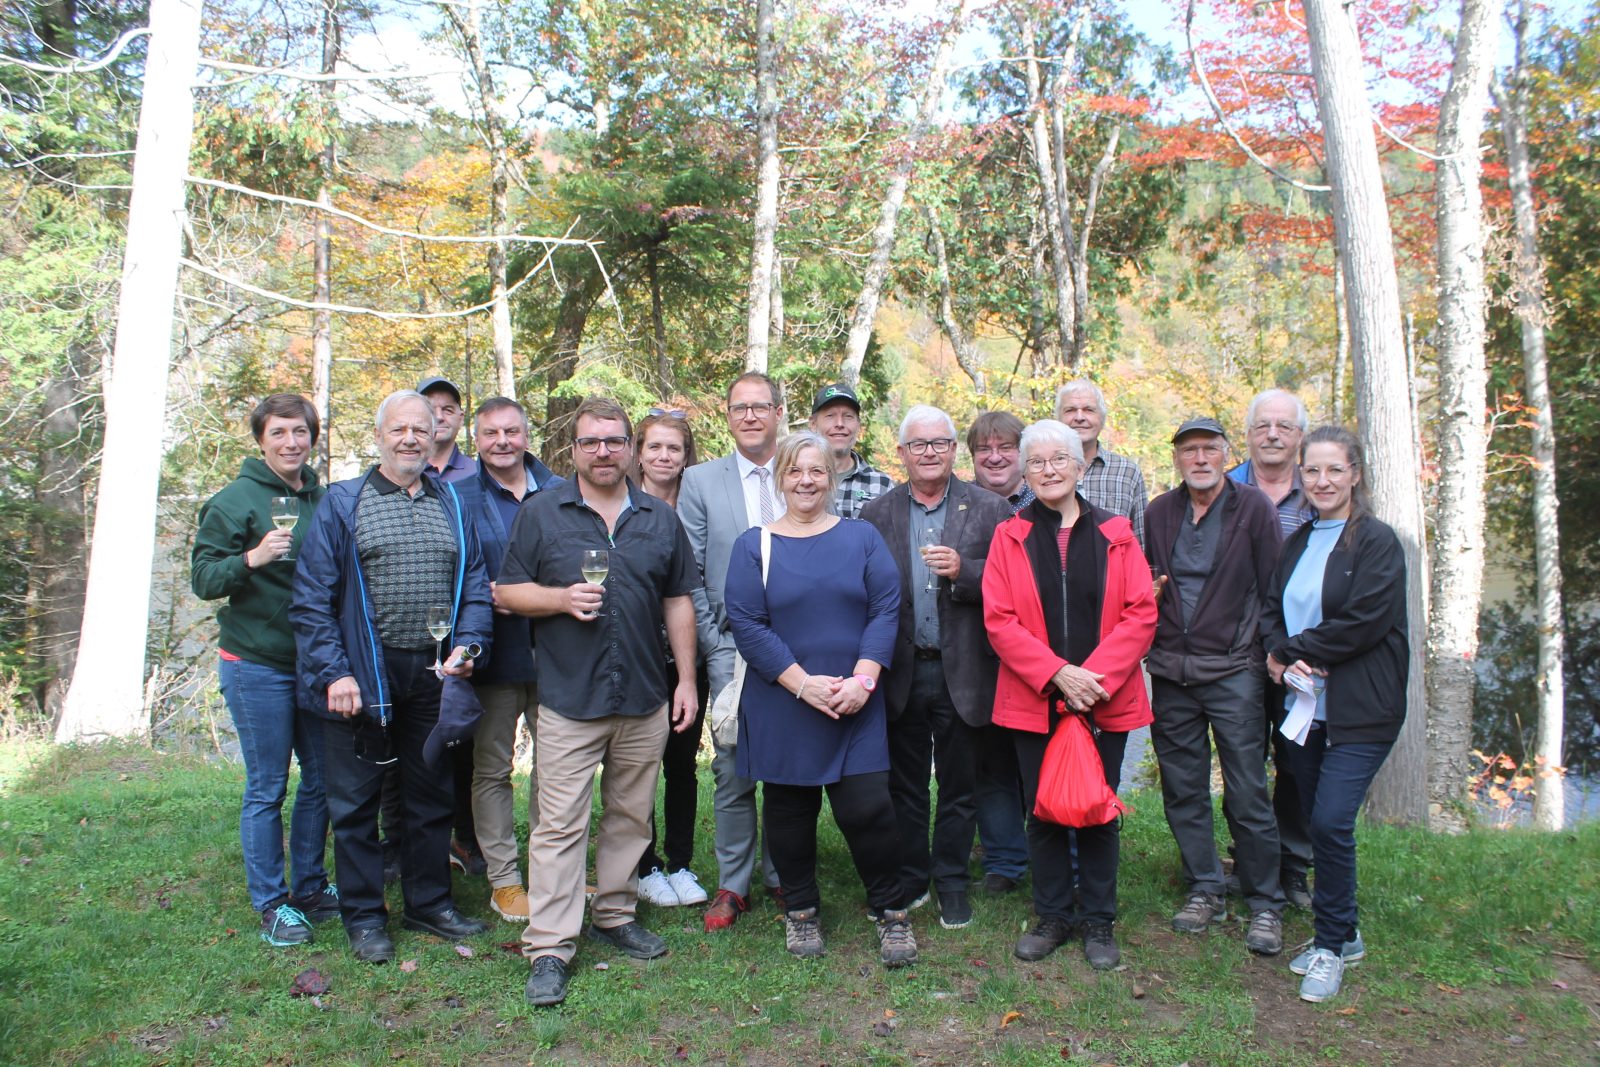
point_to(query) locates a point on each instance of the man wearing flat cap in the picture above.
(1213, 544)
(836, 415)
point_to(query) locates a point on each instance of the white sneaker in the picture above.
(687, 887)
(654, 888)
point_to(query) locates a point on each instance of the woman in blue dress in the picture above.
(817, 632)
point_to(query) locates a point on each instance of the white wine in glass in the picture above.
(596, 565)
(930, 538)
(438, 629)
(285, 514)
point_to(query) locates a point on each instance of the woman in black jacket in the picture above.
(1336, 618)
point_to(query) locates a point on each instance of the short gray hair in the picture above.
(400, 396)
(1051, 432)
(926, 413)
(1082, 385)
(788, 453)
(1276, 394)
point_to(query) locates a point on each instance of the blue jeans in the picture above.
(999, 799)
(1333, 782)
(270, 727)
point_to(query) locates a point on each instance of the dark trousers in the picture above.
(928, 732)
(1333, 782)
(461, 767)
(1294, 840)
(680, 794)
(1187, 718)
(355, 788)
(1050, 846)
(864, 814)
(1001, 819)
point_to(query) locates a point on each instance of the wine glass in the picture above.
(596, 565)
(285, 513)
(930, 538)
(438, 629)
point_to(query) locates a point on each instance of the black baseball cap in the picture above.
(438, 383)
(837, 391)
(1203, 424)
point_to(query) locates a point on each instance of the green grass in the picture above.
(126, 937)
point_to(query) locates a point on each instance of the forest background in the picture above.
(1071, 207)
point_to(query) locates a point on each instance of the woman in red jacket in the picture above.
(1068, 606)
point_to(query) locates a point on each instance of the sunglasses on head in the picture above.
(671, 413)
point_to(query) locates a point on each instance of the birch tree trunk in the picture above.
(763, 267)
(1388, 430)
(967, 355)
(1549, 803)
(1038, 334)
(866, 313)
(107, 698)
(1341, 340)
(322, 259)
(1457, 591)
(1080, 259)
(1054, 224)
(494, 131)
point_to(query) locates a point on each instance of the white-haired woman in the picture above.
(817, 632)
(1068, 606)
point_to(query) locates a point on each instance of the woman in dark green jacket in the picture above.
(239, 555)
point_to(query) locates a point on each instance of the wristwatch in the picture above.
(866, 681)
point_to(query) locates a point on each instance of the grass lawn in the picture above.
(126, 937)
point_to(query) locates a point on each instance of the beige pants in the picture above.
(565, 759)
(493, 751)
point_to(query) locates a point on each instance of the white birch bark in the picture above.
(1341, 340)
(322, 260)
(760, 310)
(106, 698)
(1388, 430)
(866, 312)
(967, 355)
(1060, 248)
(1549, 803)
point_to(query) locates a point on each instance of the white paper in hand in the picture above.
(1297, 723)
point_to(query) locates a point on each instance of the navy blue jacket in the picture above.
(513, 634)
(335, 630)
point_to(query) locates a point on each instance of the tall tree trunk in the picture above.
(777, 317)
(1457, 593)
(1388, 430)
(1549, 803)
(1341, 337)
(1080, 259)
(494, 131)
(1075, 242)
(1038, 332)
(967, 355)
(561, 361)
(763, 268)
(866, 313)
(322, 256)
(1054, 221)
(107, 700)
(658, 325)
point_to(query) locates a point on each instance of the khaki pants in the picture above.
(494, 748)
(565, 759)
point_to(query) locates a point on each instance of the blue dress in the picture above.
(829, 601)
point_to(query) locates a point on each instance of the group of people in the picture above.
(857, 636)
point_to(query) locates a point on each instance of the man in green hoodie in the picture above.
(239, 555)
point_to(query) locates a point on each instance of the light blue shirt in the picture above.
(1302, 594)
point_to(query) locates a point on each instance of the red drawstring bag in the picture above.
(1072, 780)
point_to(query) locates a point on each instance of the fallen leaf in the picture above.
(513, 947)
(308, 983)
(682, 1053)
(602, 966)
(1405, 1011)
(1138, 991)
(408, 966)
(26, 860)
(1449, 989)
(1008, 1018)
(888, 1013)
(84, 821)
(465, 952)
(978, 962)
(883, 1027)
(1346, 1011)
(1559, 984)
(231, 931)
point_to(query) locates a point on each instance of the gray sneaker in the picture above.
(1324, 974)
(1199, 912)
(283, 925)
(1351, 953)
(897, 946)
(547, 984)
(1100, 945)
(1265, 936)
(802, 932)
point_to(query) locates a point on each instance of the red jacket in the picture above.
(1014, 617)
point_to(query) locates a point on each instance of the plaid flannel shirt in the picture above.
(862, 484)
(1115, 483)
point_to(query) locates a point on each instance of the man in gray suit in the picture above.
(720, 500)
(940, 692)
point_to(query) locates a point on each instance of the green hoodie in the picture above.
(255, 620)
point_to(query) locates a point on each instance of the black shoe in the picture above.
(954, 911)
(371, 944)
(466, 858)
(630, 938)
(1047, 935)
(1100, 947)
(547, 984)
(999, 883)
(1297, 891)
(319, 908)
(447, 923)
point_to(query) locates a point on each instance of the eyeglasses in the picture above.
(760, 411)
(1059, 462)
(940, 446)
(670, 413)
(1334, 473)
(591, 445)
(1280, 426)
(994, 450)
